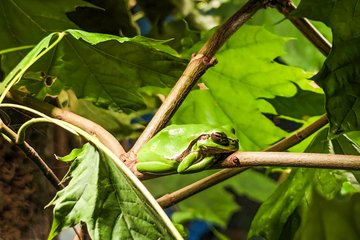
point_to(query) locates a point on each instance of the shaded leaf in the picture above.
(331, 219)
(109, 70)
(26, 62)
(300, 106)
(102, 197)
(112, 17)
(340, 74)
(276, 212)
(118, 124)
(26, 22)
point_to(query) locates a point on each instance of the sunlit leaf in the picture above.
(106, 200)
(299, 51)
(245, 72)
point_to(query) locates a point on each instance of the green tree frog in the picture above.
(186, 148)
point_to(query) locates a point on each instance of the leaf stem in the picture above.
(15, 49)
(22, 130)
(286, 7)
(197, 66)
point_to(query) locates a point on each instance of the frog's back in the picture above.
(174, 139)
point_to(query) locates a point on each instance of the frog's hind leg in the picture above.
(188, 165)
(156, 167)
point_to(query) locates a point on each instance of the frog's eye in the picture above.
(220, 138)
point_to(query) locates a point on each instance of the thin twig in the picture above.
(196, 68)
(205, 183)
(34, 156)
(286, 7)
(89, 126)
(296, 138)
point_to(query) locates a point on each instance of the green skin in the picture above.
(186, 148)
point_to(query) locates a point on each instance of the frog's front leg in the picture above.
(157, 167)
(189, 164)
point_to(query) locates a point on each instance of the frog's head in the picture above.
(219, 140)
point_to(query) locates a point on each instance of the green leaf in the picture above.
(109, 70)
(331, 219)
(107, 201)
(72, 155)
(26, 22)
(299, 51)
(275, 211)
(200, 105)
(245, 72)
(340, 74)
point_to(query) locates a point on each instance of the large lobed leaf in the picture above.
(246, 71)
(105, 69)
(107, 201)
(340, 74)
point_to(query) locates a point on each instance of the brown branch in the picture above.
(195, 69)
(172, 198)
(286, 7)
(205, 183)
(296, 138)
(289, 159)
(89, 126)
